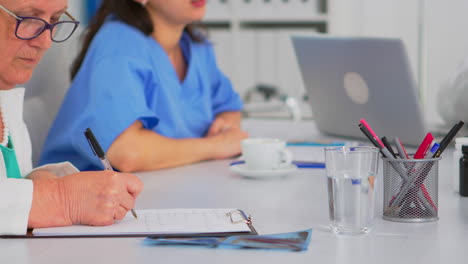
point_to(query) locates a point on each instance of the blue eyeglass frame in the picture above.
(48, 26)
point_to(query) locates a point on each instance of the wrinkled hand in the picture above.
(99, 198)
(87, 198)
(227, 142)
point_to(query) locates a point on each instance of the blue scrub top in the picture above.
(127, 76)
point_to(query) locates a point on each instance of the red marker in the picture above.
(424, 147)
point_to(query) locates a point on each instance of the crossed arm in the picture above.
(139, 149)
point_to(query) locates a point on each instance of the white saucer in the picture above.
(242, 170)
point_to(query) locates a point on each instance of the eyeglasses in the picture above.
(31, 27)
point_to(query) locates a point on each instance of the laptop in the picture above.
(350, 78)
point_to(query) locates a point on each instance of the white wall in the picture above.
(256, 47)
(447, 42)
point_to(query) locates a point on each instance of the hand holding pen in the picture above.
(97, 150)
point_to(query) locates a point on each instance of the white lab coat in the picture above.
(16, 194)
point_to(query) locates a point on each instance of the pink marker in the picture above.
(364, 122)
(424, 147)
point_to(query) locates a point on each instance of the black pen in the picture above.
(446, 140)
(97, 150)
(385, 152)
(369, 136)
(389, 146)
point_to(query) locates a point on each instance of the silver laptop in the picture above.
(349, 78)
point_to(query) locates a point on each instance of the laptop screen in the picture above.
(351, 78)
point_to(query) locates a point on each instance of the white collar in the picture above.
(11, 107)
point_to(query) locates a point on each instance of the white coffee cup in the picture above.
(265, 153)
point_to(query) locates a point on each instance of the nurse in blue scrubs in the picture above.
(148, 86)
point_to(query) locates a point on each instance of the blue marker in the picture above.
(315, 144)
(299, 164)
(435, 147)
(355, 181)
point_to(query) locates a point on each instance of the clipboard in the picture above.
(199, 223)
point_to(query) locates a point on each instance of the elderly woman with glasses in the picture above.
(55, 194)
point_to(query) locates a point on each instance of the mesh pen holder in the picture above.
(411, 189)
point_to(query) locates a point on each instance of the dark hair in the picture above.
(131, 13)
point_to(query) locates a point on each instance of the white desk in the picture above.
(295, 203)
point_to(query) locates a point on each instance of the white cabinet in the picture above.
(252, 40)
